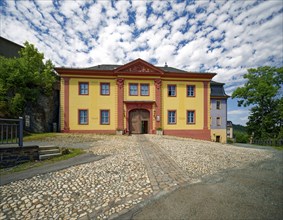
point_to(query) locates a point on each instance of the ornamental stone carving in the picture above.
(157, 83)
(138, 68)
(120, 83)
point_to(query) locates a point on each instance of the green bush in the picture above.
(241, 137)
(230, 141)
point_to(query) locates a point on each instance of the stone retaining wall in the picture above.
(11, 156)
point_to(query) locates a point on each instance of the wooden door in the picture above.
(144, 126)
(138, 121)
(217, 138)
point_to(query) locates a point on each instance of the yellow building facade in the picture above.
(135, 98)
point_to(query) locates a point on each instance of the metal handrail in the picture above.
(11, 133)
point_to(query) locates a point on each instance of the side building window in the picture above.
(218, 121)
(144, 89)
(171, 90)
(172, 117)
(83, 88)
(104, 88)
(83, 117)
(191, 117)
(104, 117)
(133, 89)
(190, 91)
(218, 104)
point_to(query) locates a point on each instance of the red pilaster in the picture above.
(205, 86)
(157, 83)
(66, 104)
(120, 84)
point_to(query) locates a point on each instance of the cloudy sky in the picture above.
(225, 37)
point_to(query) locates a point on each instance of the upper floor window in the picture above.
(172, 117)
(83, 88)
(133, 89)
(105, 88)
(218, 104)
(172, 90)
(190, 117)
(83, 117)
(218, 121)
(144, 89)
(104, 117)
(190, 91)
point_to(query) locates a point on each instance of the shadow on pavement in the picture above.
(253, 192)
(80, 159)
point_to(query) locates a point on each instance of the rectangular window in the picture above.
(190, 91)
(172, 117)
(83, 88)
(190, 117)
(104, 117)
(218, 121)
(133, 89)
(105, 88)
(218, 104)
(172, 90)
(83, 117)
(144, 89)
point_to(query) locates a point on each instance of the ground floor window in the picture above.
(83, 117)
(104, 117)
(190, 117)
(172, 117)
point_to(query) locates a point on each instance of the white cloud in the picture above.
(237, 112)
(185, 36)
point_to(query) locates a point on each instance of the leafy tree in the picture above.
(262, 92)
(23, 79)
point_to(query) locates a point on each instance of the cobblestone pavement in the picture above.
(163, 172)
(201, 158)
(137, 168)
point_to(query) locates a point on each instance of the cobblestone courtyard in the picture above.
(137, 167)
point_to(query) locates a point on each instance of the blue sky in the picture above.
(226, 37)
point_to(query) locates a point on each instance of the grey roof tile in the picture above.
(217, 89)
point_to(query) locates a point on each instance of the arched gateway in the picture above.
(139, 121)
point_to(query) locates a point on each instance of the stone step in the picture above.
(49, 151)
(46, 152)
(48, 147)
(47, 156)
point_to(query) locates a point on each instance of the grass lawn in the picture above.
(39, 136)
(278, 148)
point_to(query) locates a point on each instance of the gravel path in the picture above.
(138, 167)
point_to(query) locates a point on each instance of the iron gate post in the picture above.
(21, 131)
